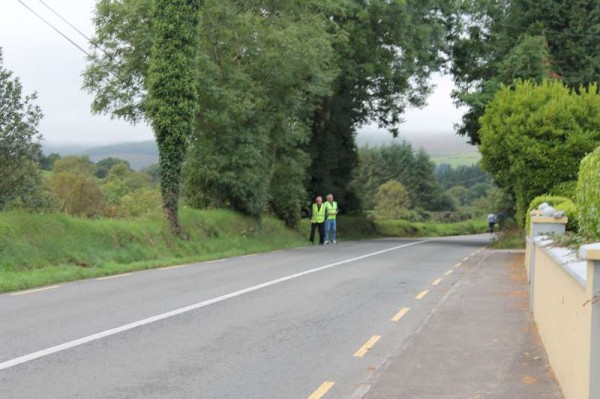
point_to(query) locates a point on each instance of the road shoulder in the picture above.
(481, 343)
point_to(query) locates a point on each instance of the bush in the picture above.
(391, 200)
(77, 194)
(565, 189)
(560, 204)
(588, 196)
(533, 136)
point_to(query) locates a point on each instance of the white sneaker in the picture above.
(326, 243)
(334, 241)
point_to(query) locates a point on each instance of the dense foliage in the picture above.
(284, 85)
(534, 136)
(588, 196)
(19, 141)
(398, 162)
(496, 42)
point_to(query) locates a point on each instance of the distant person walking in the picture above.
(317, 220)
(331, 211)
(491, 219)
(501, 219)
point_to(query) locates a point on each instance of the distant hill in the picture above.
(443, 148)
(138, 154)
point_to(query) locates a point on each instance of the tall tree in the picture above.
(545, 38)
(385, 52)
(266, 62)
(20, 150)
(172, 93)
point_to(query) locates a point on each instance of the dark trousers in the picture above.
(321, 228)
(491, 226)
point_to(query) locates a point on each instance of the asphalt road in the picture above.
(302, 323)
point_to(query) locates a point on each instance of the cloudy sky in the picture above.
(47, 63)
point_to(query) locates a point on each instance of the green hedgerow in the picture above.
(588, 195)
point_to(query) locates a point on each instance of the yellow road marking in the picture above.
(35, 290)
(115, 276)
(457, 265)
(322, 390)
(437, 281)
(473, 253)
(422, 294)
(466, 258)
(400, 314)
(449, 272)
(367, 346)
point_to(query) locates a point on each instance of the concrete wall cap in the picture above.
(549, 220)
(590, 251)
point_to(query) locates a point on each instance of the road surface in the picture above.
(301, 323)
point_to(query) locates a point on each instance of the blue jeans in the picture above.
(330, 225)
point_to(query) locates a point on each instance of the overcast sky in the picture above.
(47, 63)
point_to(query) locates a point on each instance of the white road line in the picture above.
(107, 333)
(115, 276)
(34, 290)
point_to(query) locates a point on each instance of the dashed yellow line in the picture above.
(437, 281)
(449, 272)
(367, 346)
(115, 276)
(466, 258)
(322, 390)
(422, 294)
(400, 314)
(34, 290)
(458, 265)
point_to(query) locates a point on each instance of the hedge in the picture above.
(588, 196)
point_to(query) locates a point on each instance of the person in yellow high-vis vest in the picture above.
(317, 220)
(331, 211)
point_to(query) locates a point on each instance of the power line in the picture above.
(55, 28)
(67, 22)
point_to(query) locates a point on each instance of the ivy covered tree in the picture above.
(172, 93)
(147, 69)
(20, 151)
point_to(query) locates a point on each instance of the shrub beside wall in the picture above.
(560, 204)
(588, 196)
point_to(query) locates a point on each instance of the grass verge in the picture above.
(404, 228)
(511, 238)
(43, 249)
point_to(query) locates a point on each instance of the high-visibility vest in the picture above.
(318, 214)
(331, 210)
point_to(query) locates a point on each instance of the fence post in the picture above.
(591, 253)
(541, 225)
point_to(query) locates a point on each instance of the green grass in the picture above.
(512, 238)
(42, 249)
(38, 249)
(404, 228)
(454, 160)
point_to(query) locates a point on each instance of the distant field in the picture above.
(454, 160)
